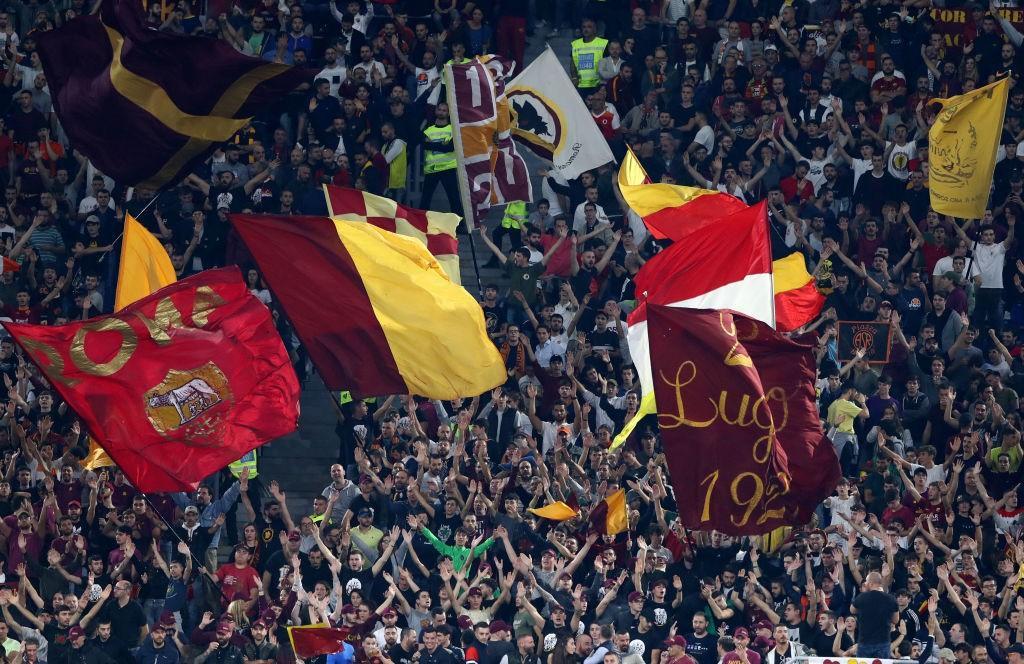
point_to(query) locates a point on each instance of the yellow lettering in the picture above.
(670, 421)
(129, 342)
(741, 418)
(206, 301)
(55, 369)
(712, 480)
(166, 318)
(750, 503)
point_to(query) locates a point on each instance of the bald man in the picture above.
(876, 612)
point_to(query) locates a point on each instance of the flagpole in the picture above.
(117, 239)
(472, 251)
(199, 564)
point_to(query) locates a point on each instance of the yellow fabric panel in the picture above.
(145, 266)
(97, 457)
(647, 199)
(434, 327)
(618, 519)
(962, 146)
(556, 511)
(790, 273)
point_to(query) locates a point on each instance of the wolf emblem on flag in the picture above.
(183, 397)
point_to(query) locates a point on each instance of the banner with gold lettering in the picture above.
(176, 385)
(742, 437)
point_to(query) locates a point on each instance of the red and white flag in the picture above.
(435, 230)
(728, 265)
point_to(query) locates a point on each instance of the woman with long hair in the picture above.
(564, 652)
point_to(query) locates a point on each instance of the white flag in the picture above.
(550, 118)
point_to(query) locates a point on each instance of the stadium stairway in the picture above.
(301, 461)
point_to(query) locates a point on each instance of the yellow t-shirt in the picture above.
(841, 414)
(1013, 453)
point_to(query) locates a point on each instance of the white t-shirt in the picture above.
(706, 137)
(860, 167)
(989, 259)
(899, 159)
(336, 75)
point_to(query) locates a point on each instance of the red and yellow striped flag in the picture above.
(434, 230)
(374, 309)
(797, 300)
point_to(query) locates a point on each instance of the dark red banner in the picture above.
(177, 385)
(742, 436)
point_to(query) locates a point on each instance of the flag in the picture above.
(9, 266)
(434, 230)
(97, 457)
(610, 516)
(962, 147)
(313, 640)
(145, 266)
(550, 118)
(873, 337)
(797, 300)
(727, 266)
(490, 170)
(374, 309)
(176, 385)
(117, 85)
(671, 211)
(556, 511)
(736, 410)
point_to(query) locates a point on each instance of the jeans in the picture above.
(152, 609)
(988, 308)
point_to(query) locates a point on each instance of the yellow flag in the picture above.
(962, 147)
(556, 511)
(97, 457)
(145, 265)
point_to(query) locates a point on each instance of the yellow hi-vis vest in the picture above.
(396, 176)
(585, 56)
(515, 215)
(436, 162)
(248, 461)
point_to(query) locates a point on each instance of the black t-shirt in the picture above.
(874, 616)
(125, 621)
(704, 649)
(268, 533)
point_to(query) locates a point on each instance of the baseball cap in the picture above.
(764, 624)
(75, 632)
(557, 607)
(260, 623)
(74, 503)
(465, 622)
(191, 509)
(499, 626)
(740, 633)
(294, 536)
(1016, 648)
(348, 608)
(224, 626)
(366, 511)
(885, 303)
(675, 641)
(634, 596)
(388, 612)
(92, 219)
(167, 619)
(947, 654)
(771, 47)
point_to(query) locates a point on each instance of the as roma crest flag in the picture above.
(736, 408)
(176, 385)
(117, 85)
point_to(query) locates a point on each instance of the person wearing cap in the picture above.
(210, 509)
(675, 651)
(157, 648)
(221, 650)
(259, 647)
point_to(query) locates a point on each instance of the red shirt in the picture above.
(605, 122)
(236, 582)
(790, 191)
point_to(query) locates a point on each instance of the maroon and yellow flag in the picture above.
(374, 309)
(611, 515)
(736, 410)
(177, 384)
(117, 85)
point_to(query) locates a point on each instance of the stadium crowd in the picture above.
(422, 542)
